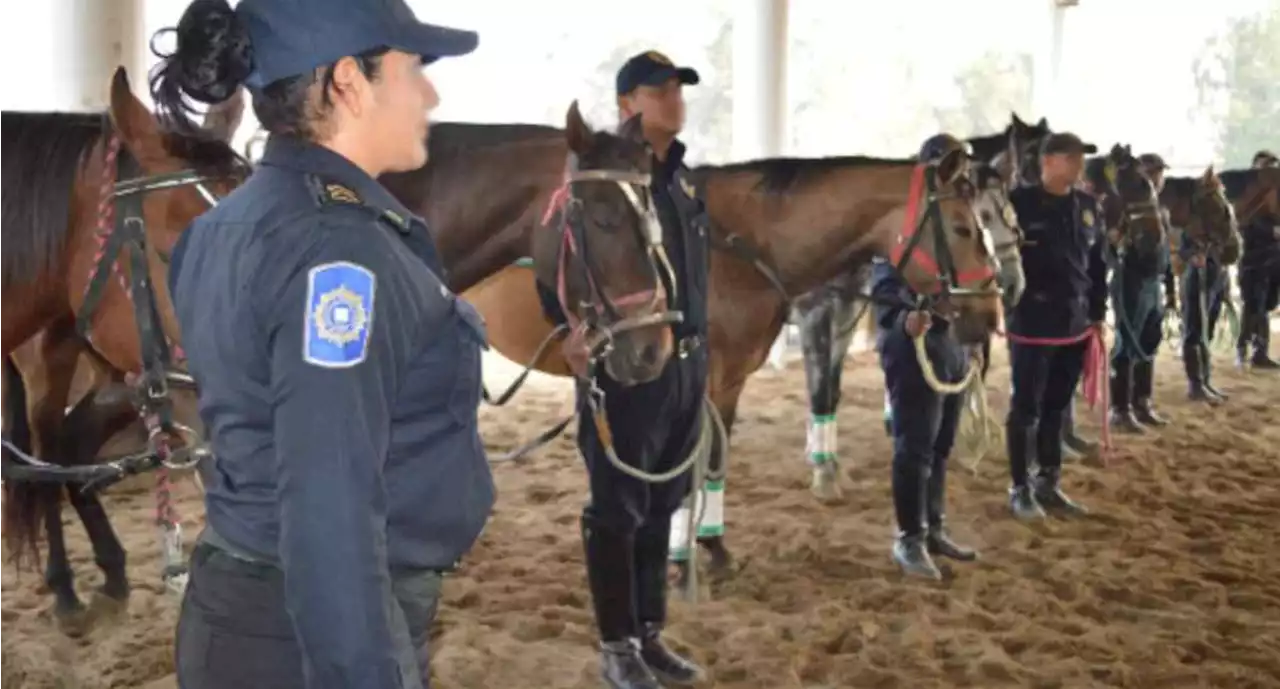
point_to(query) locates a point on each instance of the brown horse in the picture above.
(603, 179)
(1201, 207)
(84, 192)
(793, 225)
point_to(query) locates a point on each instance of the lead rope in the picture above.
(971, 383)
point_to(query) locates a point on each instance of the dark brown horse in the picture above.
(596, 174)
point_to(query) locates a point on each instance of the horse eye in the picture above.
(964, 231)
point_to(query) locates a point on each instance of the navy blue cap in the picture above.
(1065, 142)
(292, 37)
(938, 146)
(651, 68)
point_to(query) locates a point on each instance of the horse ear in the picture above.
(577, 132)
(1043, 123)
(1017, 121)
(222, 120)
(632, 129)
(135, 124)
(951, 166)
(1209, 174)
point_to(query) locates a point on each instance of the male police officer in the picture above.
(1136, 299)
(1205, 286)
(923, 421)
(1259, 280)
(1066, 293)
(626, 526)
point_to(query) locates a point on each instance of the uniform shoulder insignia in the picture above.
(339, 314)
(333, 193)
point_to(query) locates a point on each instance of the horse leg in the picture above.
(87, 428)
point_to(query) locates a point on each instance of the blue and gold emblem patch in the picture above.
(339, 314)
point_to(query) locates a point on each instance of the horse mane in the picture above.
(43, 153)
(783, 175)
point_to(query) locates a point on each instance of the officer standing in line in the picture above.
(1138, 304)
(923, 421)
(1066, 293)
(339, 378)
(1205, 286)
(1259, 280)
(626, 526)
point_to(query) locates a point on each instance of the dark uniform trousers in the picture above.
(1137, 301)
(1044, 380)
(1203, 290)
(627, 524)
(234, 631)
(924, 424)
(1258, 277)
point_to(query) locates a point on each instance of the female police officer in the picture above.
(338, 377)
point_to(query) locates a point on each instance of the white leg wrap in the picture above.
(822, 439)
(709, 505)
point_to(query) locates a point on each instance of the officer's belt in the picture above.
(213, 539)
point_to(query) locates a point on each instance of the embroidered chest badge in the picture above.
(1086, 216)
(339, 314)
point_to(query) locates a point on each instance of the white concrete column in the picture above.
(1048, 62)
(61, 53)
(759, 78)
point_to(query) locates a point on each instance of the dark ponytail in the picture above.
(211, 60)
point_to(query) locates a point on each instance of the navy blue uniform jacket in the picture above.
(1064, 260)
(339, 381)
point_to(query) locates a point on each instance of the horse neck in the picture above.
(483, 204)
(820, 229)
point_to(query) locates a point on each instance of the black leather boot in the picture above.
(1262, 360)
(938, 542)
(1143, 389)
(1122, 418)
(1192, 363)
(611, 576)
(652, 542)
(910, 484)
(1047, 492)
(1020, 443)
(1073, 442)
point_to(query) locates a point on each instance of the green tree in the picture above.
(1238, 81)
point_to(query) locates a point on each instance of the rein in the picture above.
(121, 237)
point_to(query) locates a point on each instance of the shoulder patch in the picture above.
(339, 314)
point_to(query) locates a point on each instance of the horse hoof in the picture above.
(74, 621)
(825, 486)
(107, 606)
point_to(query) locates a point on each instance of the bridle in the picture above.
(939, 261)
(591, 334)
(1131, 211)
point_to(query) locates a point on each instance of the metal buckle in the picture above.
(687, 345)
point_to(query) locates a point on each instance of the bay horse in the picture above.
(828, 317)
(92, 205)
(592, 174)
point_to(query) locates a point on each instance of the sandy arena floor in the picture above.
(1172, 584)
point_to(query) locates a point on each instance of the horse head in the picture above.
(605, 259)
(1127, 197)
(997, 216)
(1022, 154)
(956, 266)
